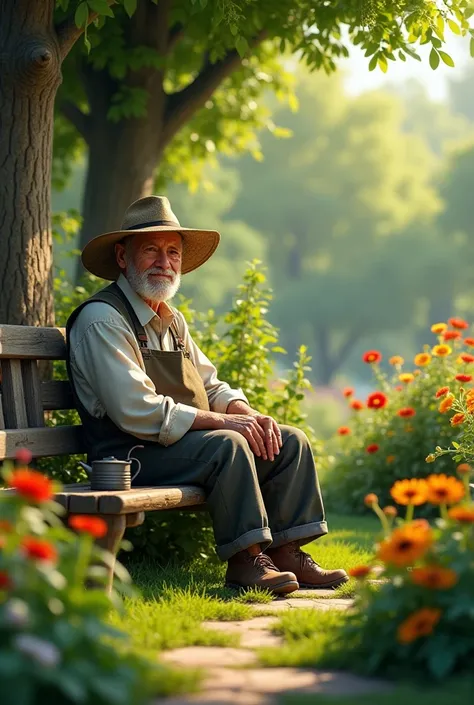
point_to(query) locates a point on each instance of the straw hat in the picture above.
(148, 215)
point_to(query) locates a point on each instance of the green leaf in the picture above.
(448, 60)
(242, 46)
(101, 7)
(434, 59)
(373, 63)
(203, 3)
(130, 6)
(454, 27)
(82, 15)
(382, 63)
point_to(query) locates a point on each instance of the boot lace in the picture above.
(305, 559)
(261, 562)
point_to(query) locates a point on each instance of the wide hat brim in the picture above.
(98, 256)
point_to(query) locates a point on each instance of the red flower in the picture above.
(344, 430)
(441, 392)
(39, 549)
(6, 526)
(95, 526)
(464, 378)
(348, 392)
(372, 356)
(373, 448)
(31, 484)
(465, 357)
(360, 571)
(23, 456)
(406, 412)
(376, 400)
(458, 323)
(451, 335)
(469, 341)
(399, 388)
(5, 581)
(357, 405)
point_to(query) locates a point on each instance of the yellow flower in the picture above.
(420, 623)
(434, 577)
(422, 359)
(396, 360)
(446, 404)
(406, 377)
(406, 544)
(442, 350)
(439, 328)
(412, 491)
(444, 490)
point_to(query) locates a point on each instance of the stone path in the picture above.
(234, 676)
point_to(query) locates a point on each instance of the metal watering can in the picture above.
(112, 474)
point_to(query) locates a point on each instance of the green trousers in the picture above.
(250, 500)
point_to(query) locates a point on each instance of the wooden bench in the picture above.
(24, 399)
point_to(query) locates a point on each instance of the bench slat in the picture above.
(59, 440)
(13, 395)
(32, 343)
(32, 392)
(56, 394)
(2, 418)
(138, 499)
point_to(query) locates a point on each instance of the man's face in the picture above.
(152, 264)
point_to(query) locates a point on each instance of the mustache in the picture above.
(164, 272)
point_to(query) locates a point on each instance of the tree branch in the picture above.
(182, 105)
(80, 120)
(68, 33)
(176, 33)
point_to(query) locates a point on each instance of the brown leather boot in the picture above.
(308, 573)
(247, 570)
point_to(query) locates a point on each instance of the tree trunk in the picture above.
(30, 73)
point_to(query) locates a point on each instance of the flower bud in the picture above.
(430, 458)
(371, 499)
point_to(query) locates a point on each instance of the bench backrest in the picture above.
(24, 398)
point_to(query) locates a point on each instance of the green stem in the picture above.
(443, 510)
(383, 519)
(410, 512)
(83, 558)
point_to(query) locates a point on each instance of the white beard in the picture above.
(155, 291)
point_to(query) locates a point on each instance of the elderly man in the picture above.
(138, 377)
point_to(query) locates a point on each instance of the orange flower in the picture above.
(466, 357)
(39, 549)
(420, 623)
(462, 514)
(434, 577)
(390, 511)
(360, 571)
(372, 356)
(406, 377)
(469, 342)
(464, 378)
(406, 544)
(406, 412)
(422, 359)
(95, 526)
(412, 491)
(376, 400)
(5, 526)
(372, 448)
(464, 469)
(396, 360)
(442, 350)
(344, 430)
(446, 404)
(32, 485)
(371, 499)
(441, 392)
(390, 459)
(357, 405)
(457, 419)
(439, 328)
(5, 581)
(444, 490)
(458, 323)
(451, 335)
(348, 391)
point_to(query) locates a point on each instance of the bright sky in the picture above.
(360, 79)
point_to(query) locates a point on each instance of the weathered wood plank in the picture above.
(2, 418)
(60, 440)
(32, 392)
(140, 499)
(56, 394)
(14, 407)
(32, 343)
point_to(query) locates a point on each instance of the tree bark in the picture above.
(30, 73)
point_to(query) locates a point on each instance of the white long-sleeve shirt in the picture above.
(110, 377)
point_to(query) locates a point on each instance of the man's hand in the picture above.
(272, 435)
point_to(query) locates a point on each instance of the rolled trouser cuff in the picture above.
(302, 534)
(250, 538)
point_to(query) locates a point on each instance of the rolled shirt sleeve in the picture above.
(109, 378)
(219, 393)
